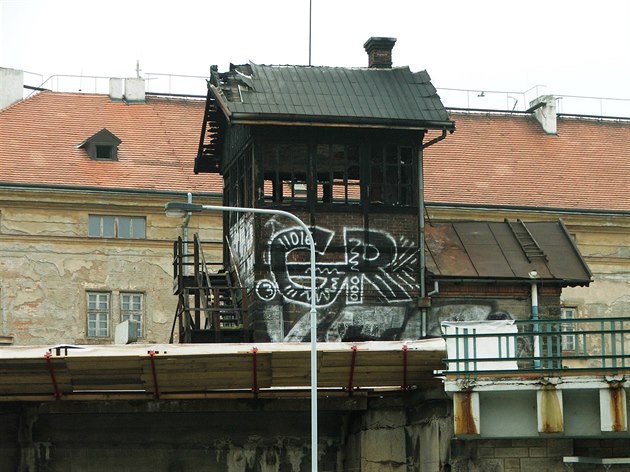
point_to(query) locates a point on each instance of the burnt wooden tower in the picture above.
(341, 148)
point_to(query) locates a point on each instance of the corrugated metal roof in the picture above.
(491, 250)
(392, 97)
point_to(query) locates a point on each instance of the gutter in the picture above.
(337, 121)
(554, 210)
(47, 187)
(508, 280)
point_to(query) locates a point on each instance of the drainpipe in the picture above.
(534, 275)
(423, 302)
(185, 233)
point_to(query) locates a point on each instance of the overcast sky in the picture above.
(558, 47)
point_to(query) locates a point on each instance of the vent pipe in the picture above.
(544, 109)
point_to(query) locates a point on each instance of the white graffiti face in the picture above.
(372, 259)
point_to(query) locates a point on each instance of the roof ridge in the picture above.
(304, 66)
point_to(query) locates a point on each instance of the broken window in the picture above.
(391, 175)
(285, 168)
(131, 309)
(338, 173)
(330, 173)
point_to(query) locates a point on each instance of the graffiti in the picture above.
(371, 260)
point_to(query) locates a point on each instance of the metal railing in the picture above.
(596, 345)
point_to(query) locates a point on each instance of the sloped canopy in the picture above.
(505, 251)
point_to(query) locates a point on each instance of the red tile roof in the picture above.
(503, 159)
(492, 159)
(39, 138)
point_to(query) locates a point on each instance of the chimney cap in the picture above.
(379, 42)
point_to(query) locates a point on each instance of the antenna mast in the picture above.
(310, 20)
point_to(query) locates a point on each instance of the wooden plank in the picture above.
(109, 387)
(33, 388)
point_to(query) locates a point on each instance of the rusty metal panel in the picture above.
(564, 259)
(447, 253)
(466, 413)
(550, 410)
(613, 408)
(514, 254)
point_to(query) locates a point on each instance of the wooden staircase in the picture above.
(209, 151)
(211, 308)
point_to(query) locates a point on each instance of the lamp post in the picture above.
(179, 209)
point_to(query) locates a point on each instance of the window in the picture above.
(285, 172)
(391, 175)
(568, 340)
(124, 227)
(337, 171)
(98, 312)
(333, 173)
(102, 146)
(104, 151)
(132, 308)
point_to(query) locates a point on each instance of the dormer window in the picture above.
(102, 146)
(104, 151)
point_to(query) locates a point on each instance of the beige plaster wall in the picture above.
(48, 263)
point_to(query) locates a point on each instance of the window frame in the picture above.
(117, 221)
(568, 341)
(336, 172)
(128, 314)
(98, 314)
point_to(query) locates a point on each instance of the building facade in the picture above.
(85, 245)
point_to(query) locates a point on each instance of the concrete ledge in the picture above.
(595, 460)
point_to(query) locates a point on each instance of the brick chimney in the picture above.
(379, 52)
(11, 87)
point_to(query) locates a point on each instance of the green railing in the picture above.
(524, 346)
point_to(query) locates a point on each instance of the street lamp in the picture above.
(179, 209)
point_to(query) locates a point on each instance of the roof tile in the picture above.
(40, 136)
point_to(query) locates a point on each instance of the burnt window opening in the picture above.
(391, 175)
(102, 146)
(285, 168)
(238, 185)
(327, 173)
(338, 173)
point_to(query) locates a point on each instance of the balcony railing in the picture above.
(543, 347)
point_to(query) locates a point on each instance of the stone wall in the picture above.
(398, 431)
(534, 454)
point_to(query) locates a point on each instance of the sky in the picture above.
(512, 50)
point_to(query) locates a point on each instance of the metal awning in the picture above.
(43, 373)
